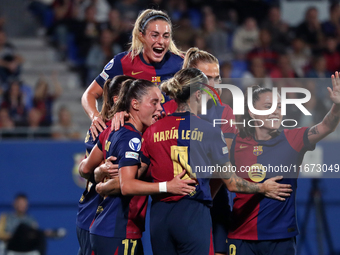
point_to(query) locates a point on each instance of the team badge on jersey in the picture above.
(135, 144)
(156, 80)
(257, 150)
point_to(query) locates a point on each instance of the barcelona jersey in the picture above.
(256, 217)
(90, 199)
(121, 216)
(183, 140)
(138, 68)
(218, 111)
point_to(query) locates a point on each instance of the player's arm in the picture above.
(129, 185)
(89, 103)
(112, 186)
(332, 118)
(109, 188)
(270, 188)
(89, 164)
(216, 184)
(106, 170)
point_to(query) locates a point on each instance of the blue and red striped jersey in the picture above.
(183, 139)
(90, 199)
(121, 216)
(219, 111)
(256, 217)
(122, 64)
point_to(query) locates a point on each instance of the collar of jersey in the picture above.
(129, 124)
(155, 65)
(271, 142)
(187, 113)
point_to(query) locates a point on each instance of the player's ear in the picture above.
(135, 104)
(198, 94)
(141, 37)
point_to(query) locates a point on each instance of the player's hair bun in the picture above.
(171, 87)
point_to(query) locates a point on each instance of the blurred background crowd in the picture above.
(250, 38)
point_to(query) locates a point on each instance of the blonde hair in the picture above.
(184, 83)
(194, 55)
(140, 26)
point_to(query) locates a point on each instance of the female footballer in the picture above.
(262, 225)
(152, 56)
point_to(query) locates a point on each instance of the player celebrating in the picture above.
(270, 223)
(90, 199)
(208, 64)
(119, 221)
(152, 56)
(181, 224)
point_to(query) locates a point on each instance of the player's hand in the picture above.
(112, 169)
(106, 170)
(118, 120)
(177, 186)
(335, 93)
(273, 189)
(97, 126)
(111, 187)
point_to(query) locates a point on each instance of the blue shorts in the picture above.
(220, 215)
(84, 241)
(102, 245)
(271, 247)
(182, 227)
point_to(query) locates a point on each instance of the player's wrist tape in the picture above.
(162, 187)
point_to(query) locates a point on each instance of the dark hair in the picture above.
(184, 83)
(111, 88)
(20, 195)
(131, 89)
(247, 131)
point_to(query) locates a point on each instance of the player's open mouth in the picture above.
(154, 118)
(158, 50)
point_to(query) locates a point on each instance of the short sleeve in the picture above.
(129, 150)
(101, 138)
(111, 69)
(298, 139)
(145, 154)
(170, 107)
(217, 147)
(228, 130)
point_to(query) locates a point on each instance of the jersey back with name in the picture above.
(121, 216)
(256, 217)
(180, 141)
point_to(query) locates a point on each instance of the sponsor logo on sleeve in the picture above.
(225, 150)
(131, 154)
(104, 75)
(135, 144)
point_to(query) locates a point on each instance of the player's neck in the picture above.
(187, 107)
(135, 121)
(263, 134)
